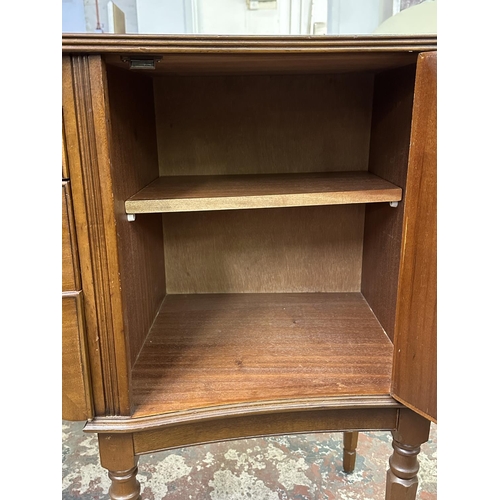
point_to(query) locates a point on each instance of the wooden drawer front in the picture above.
(76, 402)
(70, 265)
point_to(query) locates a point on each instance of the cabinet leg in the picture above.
(350, 444)
(412, 431)
(117, 455)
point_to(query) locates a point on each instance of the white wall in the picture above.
(208, 17)
(419, 18)
(233, 17)
(387, 8)
(127, 6)
(290, 17)
(73, 16)
(161, 16)
(357, 17)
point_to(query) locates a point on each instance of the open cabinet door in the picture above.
(414, 381)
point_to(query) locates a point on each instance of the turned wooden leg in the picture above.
(117, 455)
(350, 443)
(412, 431)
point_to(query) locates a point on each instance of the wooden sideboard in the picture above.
(249, 242)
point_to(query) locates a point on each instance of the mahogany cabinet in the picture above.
(249, 242)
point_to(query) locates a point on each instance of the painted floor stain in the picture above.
(294, 467)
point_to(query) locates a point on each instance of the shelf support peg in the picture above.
(131, 217)
(394, 204)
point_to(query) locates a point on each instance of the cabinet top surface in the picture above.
(98, 43)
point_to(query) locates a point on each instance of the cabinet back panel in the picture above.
(263, 124)
(303, 249)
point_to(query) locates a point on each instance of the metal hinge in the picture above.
(141, 62)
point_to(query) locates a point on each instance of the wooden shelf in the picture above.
(212, 350)
(231, 192)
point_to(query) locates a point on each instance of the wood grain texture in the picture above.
(117, 454)
(124, 484)
(190, 63)
(263, 124)
(212, 350)
(214, 141)
(389, 147)
(350, 440)
(76, 388)
(264, 425)
(233, 192)
(65, 166)
(411, 431)
(306, 249)
(93, 188)
(134, 164)
(126, 425)
(415, 365)
(72, 131)
(70, 263)
(367, 46)
(116, 451)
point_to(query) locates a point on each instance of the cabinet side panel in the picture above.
(303, 249)
(389, 146)
(415, 361)
(134, 164)
(263, 124)
(76, 155)
(94, 192)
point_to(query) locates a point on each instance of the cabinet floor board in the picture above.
(216, 349)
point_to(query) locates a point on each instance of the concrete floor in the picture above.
(298, 467)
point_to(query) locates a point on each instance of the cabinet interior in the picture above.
(263, 261)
